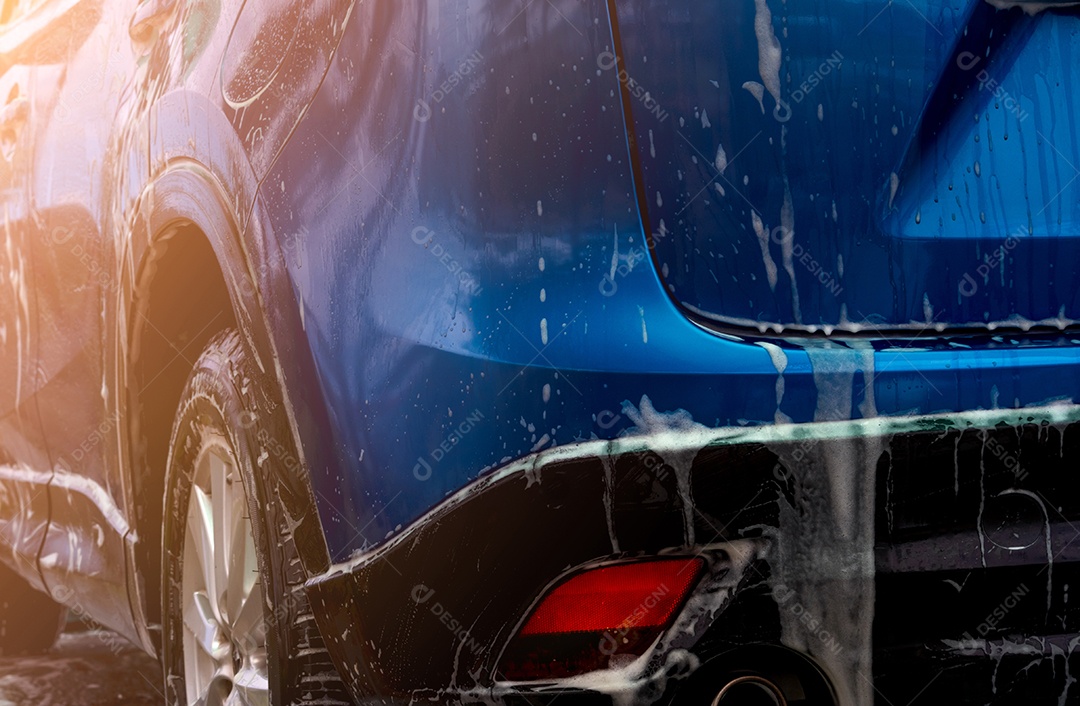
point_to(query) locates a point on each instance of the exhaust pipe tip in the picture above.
(750, 690)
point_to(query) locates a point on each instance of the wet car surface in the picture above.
(85, 668)
(577, 351)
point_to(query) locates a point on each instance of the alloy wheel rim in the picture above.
(224, 633)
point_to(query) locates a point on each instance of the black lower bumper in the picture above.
(899, 558)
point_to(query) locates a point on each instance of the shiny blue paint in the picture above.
(431, 376)
(907, 143)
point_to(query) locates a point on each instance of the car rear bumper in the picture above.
(897, 554)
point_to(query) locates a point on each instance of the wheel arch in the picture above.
(193, 271)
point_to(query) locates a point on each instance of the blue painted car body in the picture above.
(460, 234)
(491, 259)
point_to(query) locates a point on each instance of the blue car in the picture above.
(537, 351)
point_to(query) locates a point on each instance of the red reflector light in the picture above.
(614, 597)
(600, 618)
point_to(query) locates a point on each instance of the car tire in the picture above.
(30, 621)
(236, 628)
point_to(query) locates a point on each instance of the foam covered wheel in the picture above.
(30, 621)
(237, 627)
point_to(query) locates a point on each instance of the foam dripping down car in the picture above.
(577, 351)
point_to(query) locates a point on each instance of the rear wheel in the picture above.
(30, 621)
(237, 626)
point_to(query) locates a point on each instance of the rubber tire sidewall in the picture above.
(226, 394)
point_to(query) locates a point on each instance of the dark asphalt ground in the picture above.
(83, 669)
